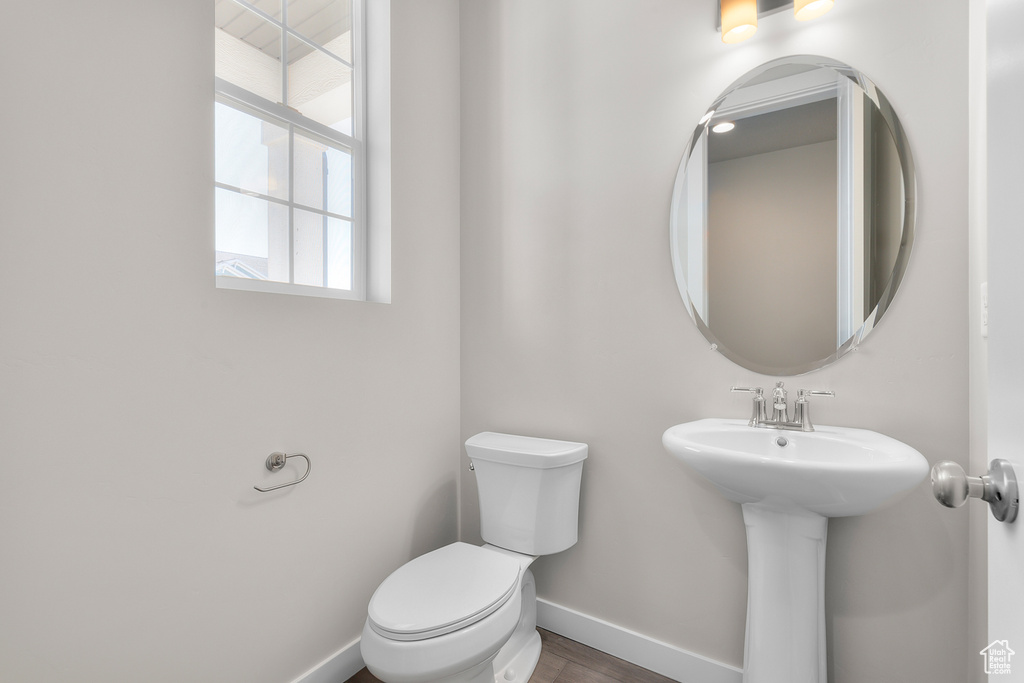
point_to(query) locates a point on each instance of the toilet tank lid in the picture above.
(526, 451)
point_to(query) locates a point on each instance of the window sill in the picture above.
(237, 283)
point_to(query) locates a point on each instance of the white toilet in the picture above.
(466, 613)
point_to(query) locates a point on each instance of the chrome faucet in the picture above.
(780, 408)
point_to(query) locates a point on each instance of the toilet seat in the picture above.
(443, 591)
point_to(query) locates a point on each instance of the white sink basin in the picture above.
(789, 483)
(833, 471)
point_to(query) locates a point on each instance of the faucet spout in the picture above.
(780, 404)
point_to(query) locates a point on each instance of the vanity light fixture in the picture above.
(805, 10)
(739, 20)
(723, 127)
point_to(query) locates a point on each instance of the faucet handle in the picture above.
(803, 394)
(759, 414)
(802, 407)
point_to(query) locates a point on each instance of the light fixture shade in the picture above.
(805, 10)
(739, 20)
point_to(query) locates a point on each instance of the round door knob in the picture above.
(950, 484)
(952, 487)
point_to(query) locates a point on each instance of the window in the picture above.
(290, 147)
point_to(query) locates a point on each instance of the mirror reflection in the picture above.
(792, 215)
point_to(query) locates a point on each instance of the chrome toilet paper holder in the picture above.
(277, 461)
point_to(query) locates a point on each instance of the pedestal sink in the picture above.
(789, 483)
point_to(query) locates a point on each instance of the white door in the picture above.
(1006, 320)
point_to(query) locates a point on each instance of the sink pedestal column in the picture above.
(785, 639)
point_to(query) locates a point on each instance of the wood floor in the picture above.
(566, 661)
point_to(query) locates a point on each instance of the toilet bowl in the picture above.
(446, 615)
(466, 613)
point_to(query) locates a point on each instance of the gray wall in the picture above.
(138, 402)
(575, 115)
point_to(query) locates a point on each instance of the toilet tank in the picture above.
(529, 491)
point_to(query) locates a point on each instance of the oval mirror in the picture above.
(793, 215)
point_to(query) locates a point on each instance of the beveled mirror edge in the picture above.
(906, 241)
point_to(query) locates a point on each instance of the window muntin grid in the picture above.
(312, 162)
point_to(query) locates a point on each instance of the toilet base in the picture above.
(520, 666)
(518, 657)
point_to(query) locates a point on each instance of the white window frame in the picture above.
(276, 113)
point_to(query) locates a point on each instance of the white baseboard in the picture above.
(667, 660)
(338, 668)
(662, 658)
